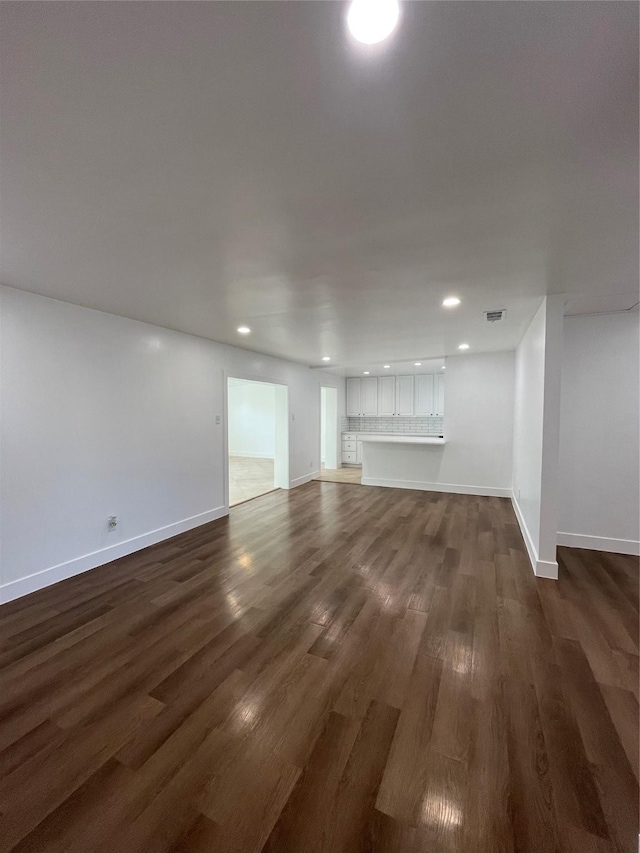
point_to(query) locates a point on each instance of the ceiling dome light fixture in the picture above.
(386, 366)
(366, 372)
(417, 364)
(463, 346)
(244, 330)
(326, 358)
(450, 302)
(372, 21)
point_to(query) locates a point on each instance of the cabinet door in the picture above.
(387, 396)
(424, 395)
(404, 395)
(359, 453)
(370, 395)
(354, 395)
(439, 395)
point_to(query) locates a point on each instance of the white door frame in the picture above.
(283, 417)
(336, 429)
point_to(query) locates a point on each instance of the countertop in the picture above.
(399, 438)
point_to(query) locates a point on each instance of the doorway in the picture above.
(331, 468)
(257, 438)
(328, 429)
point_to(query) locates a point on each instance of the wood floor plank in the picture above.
(623, 710)
(337, 668)
(303, 823)
(360, 781)
(406, 770)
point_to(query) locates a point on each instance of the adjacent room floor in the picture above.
(328, 669)
(341, 475)
(249, 478)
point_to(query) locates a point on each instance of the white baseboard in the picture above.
(300, 481)
(541, 568)
(249, 455)
(600, 543)
(546, 569)
(46, 577)
(451, 488)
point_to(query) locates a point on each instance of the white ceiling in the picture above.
(203, 165)
(396, 368)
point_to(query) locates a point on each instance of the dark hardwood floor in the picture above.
(330, 669)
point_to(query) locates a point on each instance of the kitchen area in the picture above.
(398, 410)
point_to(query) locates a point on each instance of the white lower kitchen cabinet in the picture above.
(351, 449)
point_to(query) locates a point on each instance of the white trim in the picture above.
(300, 481)
(541, 568)
(251, 455)
(546, 569)
(46, 577)
(228, 374)
(420, 485)
(528, 541)
(600, 543)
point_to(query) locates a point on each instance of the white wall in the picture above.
(323, 425)
(102, 416)
(528, 415)
(478, 428)
(599, 464)
(536, 434)
(252, 419)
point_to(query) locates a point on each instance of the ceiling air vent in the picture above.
(494, 316)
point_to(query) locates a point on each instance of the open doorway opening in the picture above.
(329, 428)
(257, 438)
(331, 468)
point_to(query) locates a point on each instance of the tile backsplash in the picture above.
(411, 426)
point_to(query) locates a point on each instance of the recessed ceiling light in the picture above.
(326, 358)
(444, 367)
(372, 21)
(450, 302)
(386, 366)
(417, 364)
(244, 330)
(463, 346)
(366, 372)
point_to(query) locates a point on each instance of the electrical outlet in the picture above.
(218, 420)
(112, 522)
(311, 464)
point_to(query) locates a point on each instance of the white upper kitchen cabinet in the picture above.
(370, 395)
(387, 396)
(439, 395)
(424, 395)
(396, 396)
(354, 398)
(404, 396)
